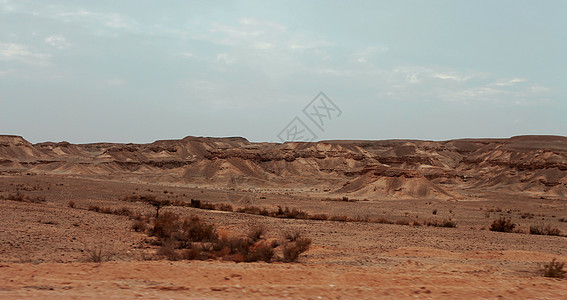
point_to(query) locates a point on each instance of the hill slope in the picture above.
(533, 165)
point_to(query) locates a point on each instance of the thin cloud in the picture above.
(57, 41)
(110, 20)
(509, 82)
(21, 53)
(224, 58)
(366, 54)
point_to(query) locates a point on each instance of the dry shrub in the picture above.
(123, 211)
(402, 222)
(194, 239)
(168, 250)
(339, 218)
(94, 208)
(71, 204)
(441, 223)
(224, 207)
(502, 225)
(256, 232)
(139, 225)
(166, 225)
(193, 229)
(131, 198)
(17, 197)
(383, 220)
(527, 215)
(261, 252)
(254, 210)
(97, 254)
(23, 198)
(292, 236)
(416, 223)
(545, 230)
(292, 250)
(195, 203)
(196, 252)
(106, 210)
(227, 246)
(359, 219)
(290, 213)
(449, 224)
(554, 269)
(320, 217)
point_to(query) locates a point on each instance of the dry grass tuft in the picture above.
(554, 269)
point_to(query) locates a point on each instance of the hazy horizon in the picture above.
(137, 72)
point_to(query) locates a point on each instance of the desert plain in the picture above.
(386, 219)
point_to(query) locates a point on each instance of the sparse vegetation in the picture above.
(441, 223)
(292, 250)
(382, 220)
(139, 225)
(291, 213)
(97, 254)
(545, 230)
(156, 203)
(502, 225)
(196, 239)
(339, 218)
(283, 212)
(23, 198)
(256, 232)
(320, 217)
(554, 269)
(71, 204)
(527, 215)
(122, 211)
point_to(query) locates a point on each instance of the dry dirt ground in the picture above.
(44, 245)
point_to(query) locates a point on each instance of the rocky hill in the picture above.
(531, 165)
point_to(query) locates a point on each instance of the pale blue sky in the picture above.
(137, 71)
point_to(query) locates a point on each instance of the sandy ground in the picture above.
(43, 246)
(161, 279)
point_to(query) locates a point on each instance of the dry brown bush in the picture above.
(139, 225)
(339, 218)
(97, 254)
(261, 252)
(320, 217)
(256, 232)
(168, 249)
(292, 250)
(166, 225)
(554, 269)
(502, 225)
(546, 229)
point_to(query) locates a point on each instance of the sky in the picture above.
(139, 71)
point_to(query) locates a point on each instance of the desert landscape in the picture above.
(474, 218)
